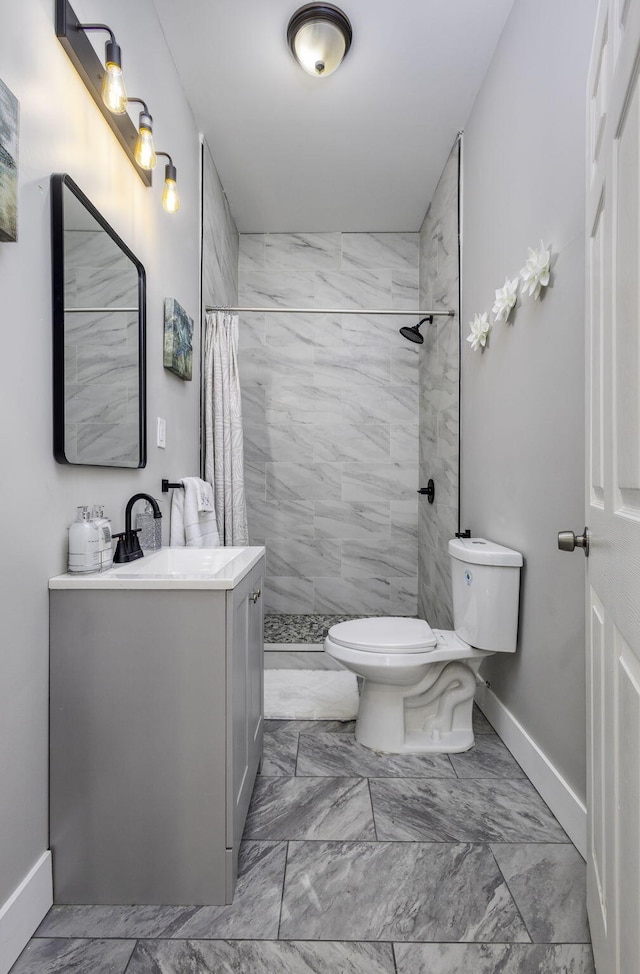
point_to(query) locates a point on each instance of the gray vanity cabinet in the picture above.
(155, 738)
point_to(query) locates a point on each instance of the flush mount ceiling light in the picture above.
(319, 36)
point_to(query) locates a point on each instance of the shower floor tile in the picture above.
(280, 628)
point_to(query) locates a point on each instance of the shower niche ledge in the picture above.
(155, 727)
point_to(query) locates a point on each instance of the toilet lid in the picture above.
(384, 635)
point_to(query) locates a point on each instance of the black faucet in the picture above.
(128, 548)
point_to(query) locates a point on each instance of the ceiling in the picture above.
(360, 150)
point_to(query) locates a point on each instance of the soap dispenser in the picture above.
(84, 544)
(104, 537)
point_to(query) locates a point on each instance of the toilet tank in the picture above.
(486, 593)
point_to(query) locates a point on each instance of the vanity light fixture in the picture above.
(144, 152)
(170, 198)
(319, 36)
(73, 37)
(105, 84)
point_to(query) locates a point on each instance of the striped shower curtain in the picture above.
(223, 452)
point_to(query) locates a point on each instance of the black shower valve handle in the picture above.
(429, 490)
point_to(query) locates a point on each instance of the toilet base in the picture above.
(434, 717)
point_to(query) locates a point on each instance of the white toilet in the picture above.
(419, 682)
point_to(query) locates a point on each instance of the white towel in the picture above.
(192, 524)
(203, 491)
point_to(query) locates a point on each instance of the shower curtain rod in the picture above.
(334, 311)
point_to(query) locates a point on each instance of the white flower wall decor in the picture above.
(530, 280)
(480, 328)
(535, 273)
(505, 299)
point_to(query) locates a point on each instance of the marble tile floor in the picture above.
(359, 863)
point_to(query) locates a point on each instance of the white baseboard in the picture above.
(570, 811)
(23, 911)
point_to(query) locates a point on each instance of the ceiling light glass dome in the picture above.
(319, 36)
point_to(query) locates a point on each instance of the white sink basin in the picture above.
(180, 561)
(216, 568)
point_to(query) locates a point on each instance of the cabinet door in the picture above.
(244, 693)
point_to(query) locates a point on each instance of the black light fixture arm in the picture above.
(141, 101)
(99, 27)
(169, 169)
(113, 53)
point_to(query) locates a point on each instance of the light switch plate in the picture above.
(162, 433)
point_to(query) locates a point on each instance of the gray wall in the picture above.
(330, 405)
(61, 130)
(439, 397)
(522, 469)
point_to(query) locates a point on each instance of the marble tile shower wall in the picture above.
(439, 397)
(330, 406)
(219, 240)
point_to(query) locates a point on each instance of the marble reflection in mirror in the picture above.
(99, 322)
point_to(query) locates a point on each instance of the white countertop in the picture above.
(170, 568)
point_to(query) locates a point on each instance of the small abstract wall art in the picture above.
(178, 339)
(8, 164)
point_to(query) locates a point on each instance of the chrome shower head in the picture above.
(413, 332)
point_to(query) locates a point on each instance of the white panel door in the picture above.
(613, 488)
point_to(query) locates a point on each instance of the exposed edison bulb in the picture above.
(144, 152)
(170, 198)
(113, 91)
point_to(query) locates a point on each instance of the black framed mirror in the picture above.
(99, 340)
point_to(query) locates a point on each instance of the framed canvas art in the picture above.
(178, 339)
(8, 164)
